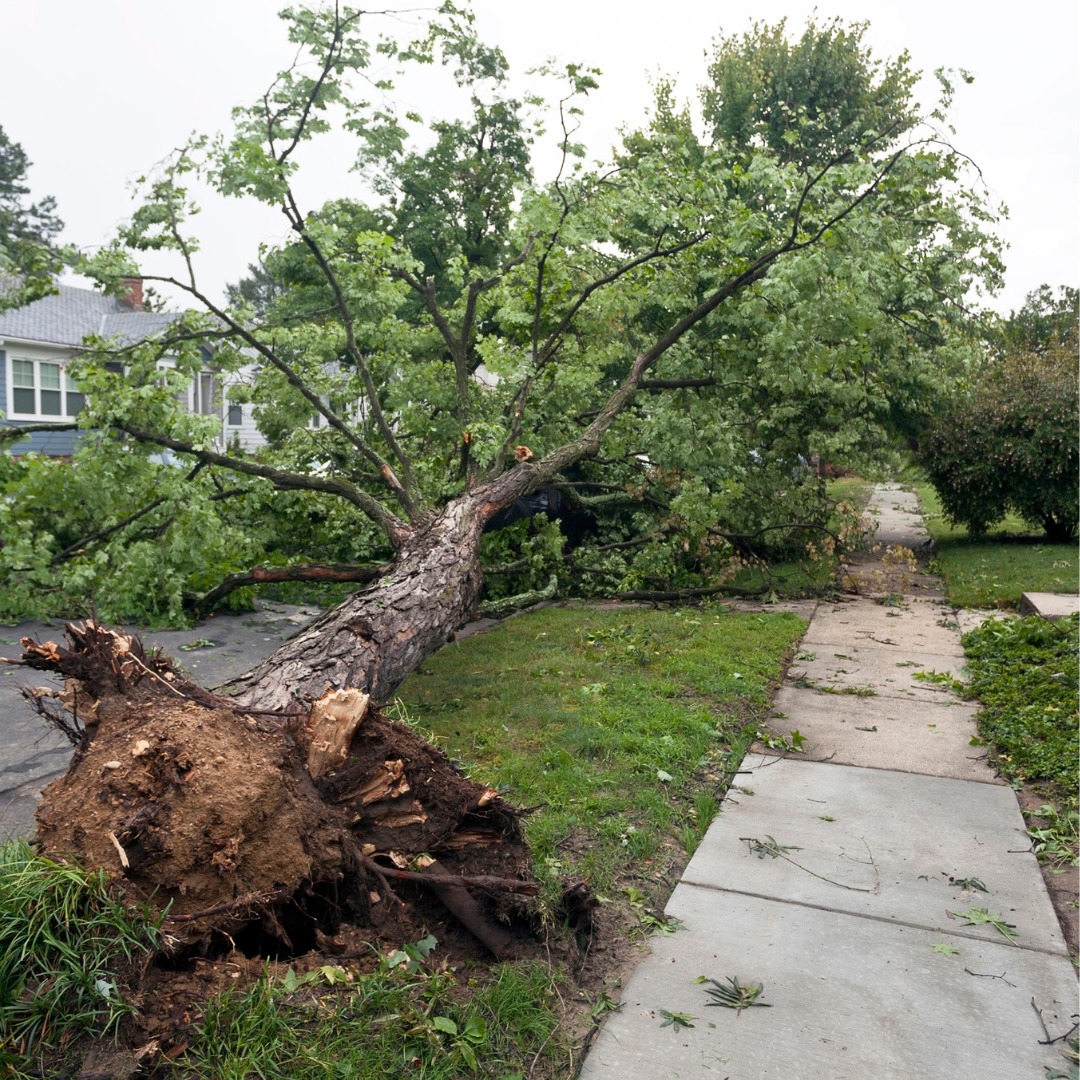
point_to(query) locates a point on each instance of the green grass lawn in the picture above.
(622, 724)
(620, 728)
(993, 571)
(1024, 673)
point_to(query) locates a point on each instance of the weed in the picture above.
(1024, 672)
(733, 994)
(1055, 842)
(648, 921)
(394, 1020)
(677, 1020)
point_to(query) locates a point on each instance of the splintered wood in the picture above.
(330, 726)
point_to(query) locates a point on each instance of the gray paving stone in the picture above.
(842, 925)
(880, 844)
(851, 999)
(1049, 605)
(921, 626)
(898, 733)
(876, 672)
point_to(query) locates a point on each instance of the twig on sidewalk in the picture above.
(981, 975)
(777, 851)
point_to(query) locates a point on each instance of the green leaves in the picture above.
(732, 994)
(27, 232)
(677, 1020)
(982, 917)
(1008, 443)
(790, 288)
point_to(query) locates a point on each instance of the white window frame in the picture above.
(206, 397)
(65, 389)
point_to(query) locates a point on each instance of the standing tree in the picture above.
(641, 328)
(27, 231)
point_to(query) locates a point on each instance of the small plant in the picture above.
(1024, 672)
(677, 1020)
(661, 924)
(1055, 843)
(410, 958)
(463, 1041)
(733, 994)
(66, 938)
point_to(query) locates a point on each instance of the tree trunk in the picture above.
(375, 638)
(287, 803)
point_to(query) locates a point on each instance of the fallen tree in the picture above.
(471, 341)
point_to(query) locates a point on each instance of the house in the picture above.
(39, 339)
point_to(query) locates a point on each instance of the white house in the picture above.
(38, 340)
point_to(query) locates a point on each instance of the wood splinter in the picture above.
(330, 726)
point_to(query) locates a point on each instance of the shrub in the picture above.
(1011, 444)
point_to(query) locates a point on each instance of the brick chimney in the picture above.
(133, 293)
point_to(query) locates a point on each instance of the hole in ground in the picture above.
(284, 932)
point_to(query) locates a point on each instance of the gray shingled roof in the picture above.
(72, 314)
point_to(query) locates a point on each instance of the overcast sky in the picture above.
(98, 91)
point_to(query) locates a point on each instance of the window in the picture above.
(235, 416)
(204, 394)
(41, 390)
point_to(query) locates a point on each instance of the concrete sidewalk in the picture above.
(848, 880)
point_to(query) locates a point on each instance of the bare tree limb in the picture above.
(260, 575)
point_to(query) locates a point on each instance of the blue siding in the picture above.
(49, 443)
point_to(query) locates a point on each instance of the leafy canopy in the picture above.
(1009, 441)
(28, 231)
(665, 337)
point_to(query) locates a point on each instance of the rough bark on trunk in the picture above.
(376, 637)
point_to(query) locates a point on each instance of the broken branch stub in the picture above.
(330, 726)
